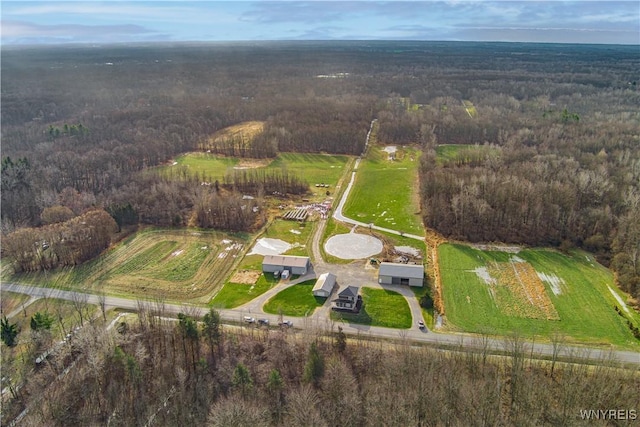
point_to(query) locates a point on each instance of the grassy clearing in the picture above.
(580, 296)
(209, 166)
(10, 301)
(297, 300)
(175, 265)
(313, 168)
(234, 294)
(380, 307)
(385, 191)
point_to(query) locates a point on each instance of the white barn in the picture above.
(294, 264)
(400, 274)
(324, 285)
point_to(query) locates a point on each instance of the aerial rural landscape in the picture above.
(320, 233)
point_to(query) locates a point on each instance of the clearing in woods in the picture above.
(535, 291)
(244, 131)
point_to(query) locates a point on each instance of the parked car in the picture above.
(249, 319)
(264, 322)
(287, 323)
(421, 325)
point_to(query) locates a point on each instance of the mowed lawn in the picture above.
(235, 294)
(296, 300)
(583, 301)
(380, 307)
(385, 192)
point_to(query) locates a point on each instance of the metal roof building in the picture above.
(295, 264)
(400, 274)
(324, 285)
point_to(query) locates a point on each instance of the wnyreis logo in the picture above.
(608, 414)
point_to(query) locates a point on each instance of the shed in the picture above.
(324, 285)
(391, 273)
(294, 264)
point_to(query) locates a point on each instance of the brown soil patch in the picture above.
(246, 277)
(523, 293)
(245, 129)
(252, 163)
(433, 240)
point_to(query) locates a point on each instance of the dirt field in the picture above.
(245, 277)
(519, 292)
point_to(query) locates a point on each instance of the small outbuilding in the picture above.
(324, 285)
(299, 265)
(391, 273)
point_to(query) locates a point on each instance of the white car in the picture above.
(288, 323)
(249, 319)
(421, 325)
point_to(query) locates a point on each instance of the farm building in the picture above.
(347, 299)
(324, 285)
(400, 274)
(294, 264)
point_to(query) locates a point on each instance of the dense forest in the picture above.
(552, 131)
(155, 371)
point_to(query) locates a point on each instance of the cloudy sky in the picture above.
(25, 22)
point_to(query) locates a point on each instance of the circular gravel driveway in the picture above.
(353, 246)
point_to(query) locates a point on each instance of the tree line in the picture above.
(193, 371)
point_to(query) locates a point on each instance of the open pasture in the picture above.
(535, 292)
(385, 192)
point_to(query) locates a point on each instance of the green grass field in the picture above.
(380, 308)
(386, 191)
(313, 168)
(235, 294)
(296, 300)
(204, 164)
(577, 290)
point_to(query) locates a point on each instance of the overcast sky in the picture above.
(609, 22)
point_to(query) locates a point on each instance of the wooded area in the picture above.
(556, 127)
(160, 372)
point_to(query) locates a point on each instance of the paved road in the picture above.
(464, 342)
